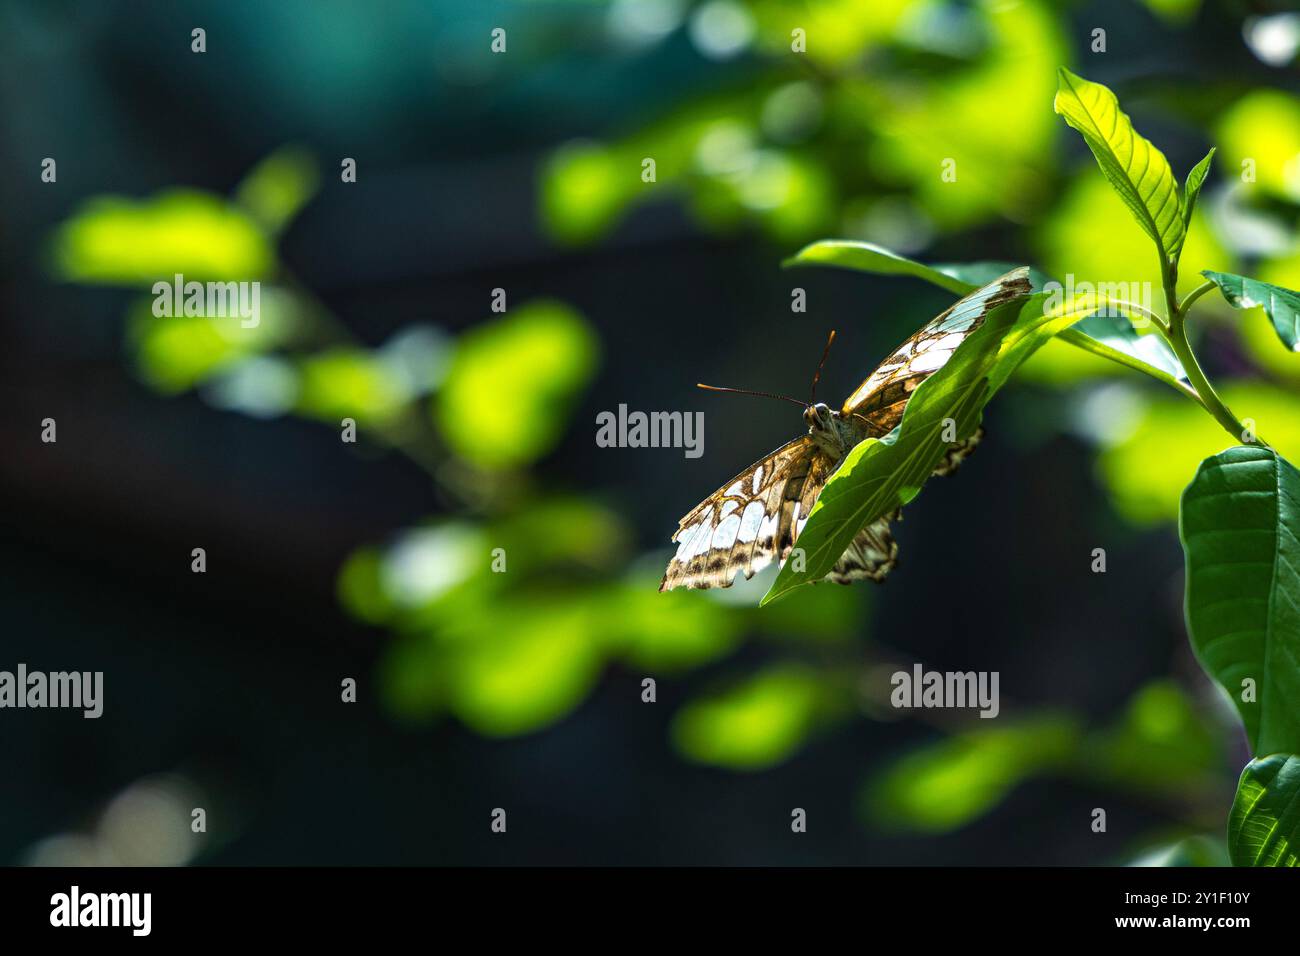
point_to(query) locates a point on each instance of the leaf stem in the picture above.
(1176, 333)
(1195, 294)
(1156, 320)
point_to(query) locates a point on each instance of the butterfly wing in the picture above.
(879, 401)
(872, 554)
(750, 521)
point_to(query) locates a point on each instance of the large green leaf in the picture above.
(880, 475)
(1112, 337)
(1138, 171)
(1264, 825)
(1240, 526)
(1281, 305)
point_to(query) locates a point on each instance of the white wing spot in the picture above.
(725, 536)
(750, 521)
(929, 361)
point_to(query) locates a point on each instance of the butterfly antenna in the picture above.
(746, 391)
(818, 374)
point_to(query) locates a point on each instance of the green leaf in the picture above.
(1192, 189)
(1137, 171)
(121, 241)
(1264, 825)
(512, 384)
(755, 724)
(1240, 527)
(1113, 337)
(1282, 306)
(880, 475)
(866, 257)
(948, 784)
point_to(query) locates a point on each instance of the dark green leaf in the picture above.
(1282, 306)
(1264, 825)
(1240, 527)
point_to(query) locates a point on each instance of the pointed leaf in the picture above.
(1137, 171)
(866, 257)
(1264, 825)
(1240, 527)
(1195, 180)
(1282, 306)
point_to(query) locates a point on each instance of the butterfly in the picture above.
(756, 517)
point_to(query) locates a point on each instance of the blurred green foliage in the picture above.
(1161, 744)
(512, 384)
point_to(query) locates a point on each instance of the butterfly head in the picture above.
(819, 417)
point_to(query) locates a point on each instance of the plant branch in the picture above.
(1176, 333)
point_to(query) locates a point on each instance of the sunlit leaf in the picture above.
(1138, 171)
(1264, 825)
(754, 725)
(1282, 306)
(1113, 337)
(530, 664)
(584, 187)
(513, 383)
(112, 239)
(1240, 527)
(948, 784)
(349, 383)
(867, 257)
(1192, 190)
(668, 632)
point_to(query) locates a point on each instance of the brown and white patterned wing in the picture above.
(751, 521)
(879, 401)
(872, 554)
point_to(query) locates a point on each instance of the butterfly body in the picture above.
(756, 517)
